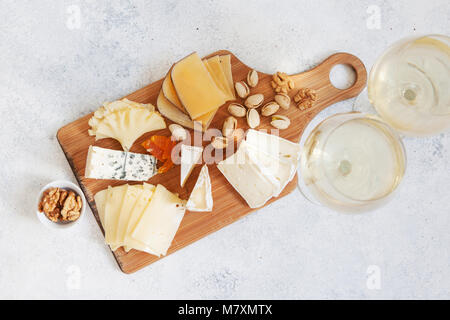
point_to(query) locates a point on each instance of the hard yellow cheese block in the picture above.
(195, 87)
(216, 78)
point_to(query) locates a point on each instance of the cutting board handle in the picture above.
(318, 78)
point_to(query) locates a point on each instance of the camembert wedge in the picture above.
(201, 199)
(190, 156)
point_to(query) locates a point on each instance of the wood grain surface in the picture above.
(228, 205)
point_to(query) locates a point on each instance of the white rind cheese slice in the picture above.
(190, 156)
(110, 164)
(201, 196)
(160, 221)
(245, 176)
(275, 146)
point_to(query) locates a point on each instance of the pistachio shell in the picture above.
(280, 122)
(178, 132)
(219, 142)
(229, 125)
(252, 78)
(237, 110)
(283, 100)
(242, 89)
(254, 101)
(253, 119)
(270, 108)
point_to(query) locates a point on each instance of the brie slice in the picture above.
(190, 156)
(201, 199)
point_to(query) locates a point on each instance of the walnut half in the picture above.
(60, 205)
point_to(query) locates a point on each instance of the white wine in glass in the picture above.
(352, 162)
(409, 85)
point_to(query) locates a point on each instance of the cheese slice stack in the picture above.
(141, 217)
(193, 90)
(262, 167)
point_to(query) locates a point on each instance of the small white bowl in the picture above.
(63, 185)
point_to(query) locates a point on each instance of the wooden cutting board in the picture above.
(228, 205)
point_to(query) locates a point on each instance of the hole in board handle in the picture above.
(342, 76)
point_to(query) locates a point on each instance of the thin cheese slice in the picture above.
(225, 62)
(195, 87)
(216, 78)
(170, 93)
(160, 221)
(136, 213)
(216, 67)
(114, 201)
(246, 178)
(100, 201)
(130, 199)
(190, 156)
(201, 199)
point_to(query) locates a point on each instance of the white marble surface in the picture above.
(52, 71)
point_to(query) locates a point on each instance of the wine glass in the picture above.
(351, 162)
(409, 86)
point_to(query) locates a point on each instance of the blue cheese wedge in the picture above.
(110, 164)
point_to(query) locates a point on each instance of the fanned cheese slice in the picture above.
(125, 123)
(225, 62)
(114, 200)
(195, 87)
(190, 156)
(160, 221)
(246, 178)
(201, 199)
(170, 93)
(216, 68)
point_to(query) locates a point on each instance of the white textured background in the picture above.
(52, 72)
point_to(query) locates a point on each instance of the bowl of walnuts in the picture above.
(61, 204)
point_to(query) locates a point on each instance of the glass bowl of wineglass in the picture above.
(351, 162)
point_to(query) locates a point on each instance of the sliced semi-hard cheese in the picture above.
(246, 178)
(216, 78)
(100, 201)
(104, 163)
(190, 156)
(160, 221)
(216, 67)
(195, 87)
(130, 199)
(225, 62)
(170, 93)
(201, 196)
(114, 200)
